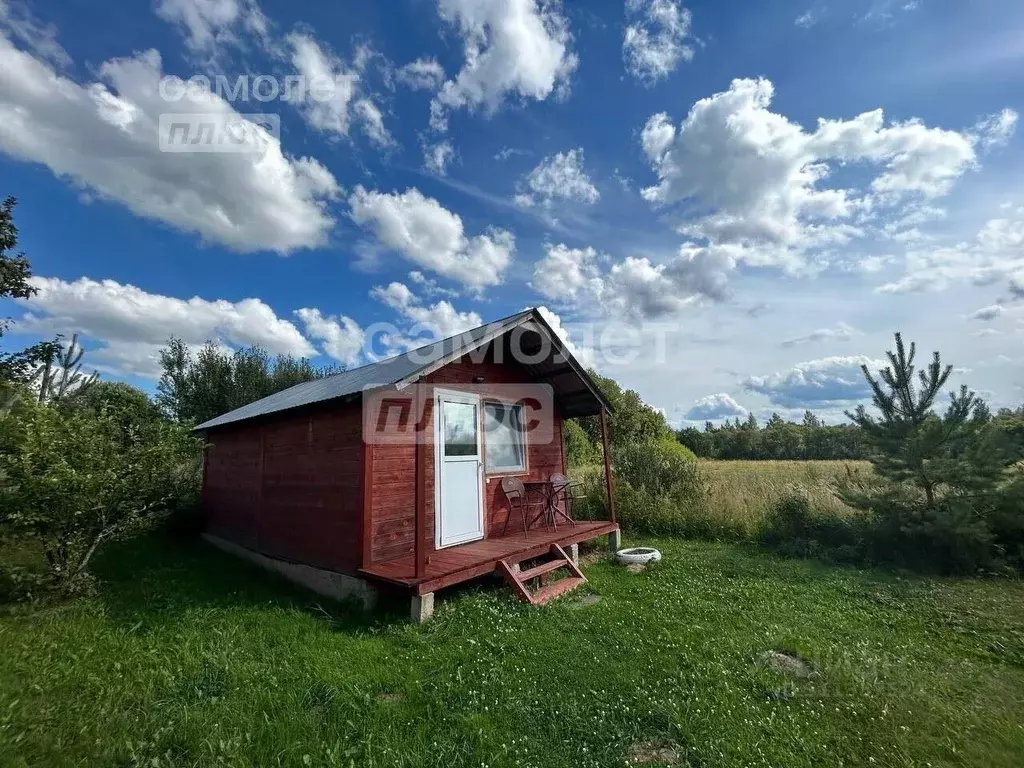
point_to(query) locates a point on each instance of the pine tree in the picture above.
(938, 479)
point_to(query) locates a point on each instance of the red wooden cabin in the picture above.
(336, 483)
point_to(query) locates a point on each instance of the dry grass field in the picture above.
(742, 492)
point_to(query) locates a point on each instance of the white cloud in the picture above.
(995, 254)
(830, 381)
(134, 325)
(565, 272)
(40, 38)
(440, 319)
(210, 23)
(505, 153)
(341, 335)
(428, 234)
(436, 157)
(806, 20)
(753, 177)
(656, 38)
(558, 177)
(715, 407)
(331, 102)
(105, 137)
(585, 355)
(988, 313)
(842, 332)
(512, 48)
(423, 74)
(997, 130)
(635, 287)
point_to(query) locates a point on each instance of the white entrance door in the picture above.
(459, 469)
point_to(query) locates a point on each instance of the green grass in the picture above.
(192, 658)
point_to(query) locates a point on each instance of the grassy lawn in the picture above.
(193, 658)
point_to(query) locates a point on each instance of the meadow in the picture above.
(188, 657)
(741, 493)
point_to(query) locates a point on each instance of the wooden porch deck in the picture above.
(446, 567)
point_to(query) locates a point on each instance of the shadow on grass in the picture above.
(156, 578)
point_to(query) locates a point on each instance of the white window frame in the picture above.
(523, 469)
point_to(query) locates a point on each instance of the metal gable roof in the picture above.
(407, 367)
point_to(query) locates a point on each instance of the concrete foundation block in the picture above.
(337, 586)
(615, 541)
(421, 607)
(573, 551)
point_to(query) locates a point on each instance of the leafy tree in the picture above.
(633, 420)
(74, 480)
(197, 387)
(15, 270)
(131, 408)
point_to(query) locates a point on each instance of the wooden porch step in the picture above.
(518, 581)
(548, 567)
(551, 591)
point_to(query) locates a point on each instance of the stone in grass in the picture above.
(390, 696)
(636, 567)
(788, 664)
(652, 753)
(586, 601)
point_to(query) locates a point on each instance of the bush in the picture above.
(793, 527)
(659, 489)
(74, 479)
(661, 468)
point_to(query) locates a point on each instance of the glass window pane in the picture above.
(460, 429)
(503, 426)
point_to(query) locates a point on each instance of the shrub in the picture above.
(793, 527)
(73, 479)
(661, 468)
(659, 489)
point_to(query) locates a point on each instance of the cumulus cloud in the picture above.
(841, 332)
(584, 354)
(564, 273)
(423, 74)
(332, 100)
(208, 24)
(342, 336)
(512, 48)
(132, 325)
(439, 320)
(995, 254)
(635, 287)
(558, 177)
(428, 234)
(749, 176)
(830, 381)
(436, 157)
(715, 407)
(989, 313)
(106, 137)
(656, 38)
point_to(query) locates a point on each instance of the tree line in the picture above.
(778, 439)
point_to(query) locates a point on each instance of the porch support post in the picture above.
(423, 433)
(609, 484)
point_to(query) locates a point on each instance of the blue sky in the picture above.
(726, 206)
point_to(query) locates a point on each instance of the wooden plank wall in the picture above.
(289, 488)
(393, 494)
